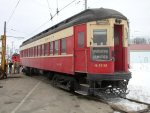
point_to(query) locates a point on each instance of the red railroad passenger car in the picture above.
(15, 58)
(86, 53)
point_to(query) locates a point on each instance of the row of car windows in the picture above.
(57, 47)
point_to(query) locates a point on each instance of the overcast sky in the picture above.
(31, 14)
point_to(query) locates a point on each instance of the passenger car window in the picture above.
(116, 38)
(99, 36)
(63, 46)
(80, 39)
(46, 47)
(39, 50)
(35, 51)
(42, 50)
(56, 47)
(51, 48)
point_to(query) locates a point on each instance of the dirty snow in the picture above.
(139, 89)
(116, 112)
(139, 85)
(126, 105)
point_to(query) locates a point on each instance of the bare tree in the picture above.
(139, 40)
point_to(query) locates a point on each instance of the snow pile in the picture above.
(126, 105)
(139, 85)
(140, 75)
(139, 93)
(116, 112)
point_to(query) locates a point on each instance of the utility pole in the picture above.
(3, 53)
(85, 4)
(4, 47)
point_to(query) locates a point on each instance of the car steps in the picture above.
(82, 92)
(85, 85)
(83, 89)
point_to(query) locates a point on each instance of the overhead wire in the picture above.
(67, 5)
(63, 8)
(39, 4)
(52, 17)
(18, 31)
(17, 37)
(13, 12)
(46, 21)
(49, 8)
(40, 26)
(57, 11)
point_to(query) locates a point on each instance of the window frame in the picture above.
(42, 50)
(106, 38)
(83, 41)
(56, 51)
(61, 49)
(46, 49)
(39, 50)
(51, 48)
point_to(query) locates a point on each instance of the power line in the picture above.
(49, 9)
(13, 11)
(57, 11)
(67, 5)
(63, 8)
(18, 31)
(39, 4)
(19, 37)
(52, 17)
(40, 26)
(48, 4)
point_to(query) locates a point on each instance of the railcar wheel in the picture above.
(50, 75)
(70, 85)
(27, 71)
(32, 72)
(54, 80)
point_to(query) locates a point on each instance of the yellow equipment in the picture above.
(3, 66)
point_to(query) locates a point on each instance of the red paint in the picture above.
(80, 52)
(125, 59)
(81, 60)
(99, 67)
(15, 58)
(58, 64)
(69, 45)
(118, 47)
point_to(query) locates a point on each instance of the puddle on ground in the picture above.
(77, 106)
(8, 102)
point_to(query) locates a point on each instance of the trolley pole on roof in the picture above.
(85, 4)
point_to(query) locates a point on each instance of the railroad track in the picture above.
(124, 105)
(121, 104)
(128, 106)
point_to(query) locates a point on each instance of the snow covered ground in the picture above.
(139, 88)
(139, 85)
